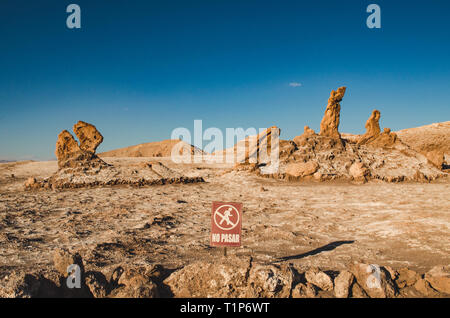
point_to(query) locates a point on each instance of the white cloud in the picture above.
(295, 84)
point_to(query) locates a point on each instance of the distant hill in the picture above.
(154, 149)
(427, 138)
(433, 140)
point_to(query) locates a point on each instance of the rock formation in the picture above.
(307, 132)
(80, 167)
(70, 154)
(89, 137)
(227, 277)
(326, 156)
(373, 135)
(330, 121)
(433, 141)
(372, 127)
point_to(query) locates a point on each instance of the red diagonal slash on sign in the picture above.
(224, 218)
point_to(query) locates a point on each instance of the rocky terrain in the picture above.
(433, 141)
(159, 234)
(80, 167)
(345, 216)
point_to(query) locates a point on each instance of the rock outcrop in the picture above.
(227, 277)
(378, 154)
(373, 135)
(433, 141)
(70, 154)
(89, 137)
(372, 127)
(330, 121)
(80, 167)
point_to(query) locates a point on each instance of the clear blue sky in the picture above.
(139, 69)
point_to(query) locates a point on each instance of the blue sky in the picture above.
(139, 69)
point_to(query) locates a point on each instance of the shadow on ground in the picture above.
(325, 248)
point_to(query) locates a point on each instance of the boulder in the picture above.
(425, 288)
(330, 121)
(374, 280)
(302, 169)
(343, 283)
(439, 278)
(406, 277)
(358, 291)
(231, 277)
(319, 279)
(307, 290)
(97, 284)
(135, 283)
(358, 171)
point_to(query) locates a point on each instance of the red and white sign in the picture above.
(226, 224)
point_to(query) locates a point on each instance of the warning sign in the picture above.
(226, 224)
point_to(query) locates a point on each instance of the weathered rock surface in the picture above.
(136, 283)
(359, 171)
(374, 280)
(406, 278)
(234, 277)
(372, 127)
(302, 169)
(424, 287)
(72, 155)
(227, 277)
(89, 137)
(327, 156)
(307, 290)
(319, 279)
(80, 167)
(439, 278)
(430, 140)
(330, 122)
(97, 284)
(343, 283)
(62, 259)
(301, 140)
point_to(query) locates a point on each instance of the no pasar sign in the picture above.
(226, 224)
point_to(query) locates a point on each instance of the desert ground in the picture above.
(305, 224)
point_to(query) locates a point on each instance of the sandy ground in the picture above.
(308, 224)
